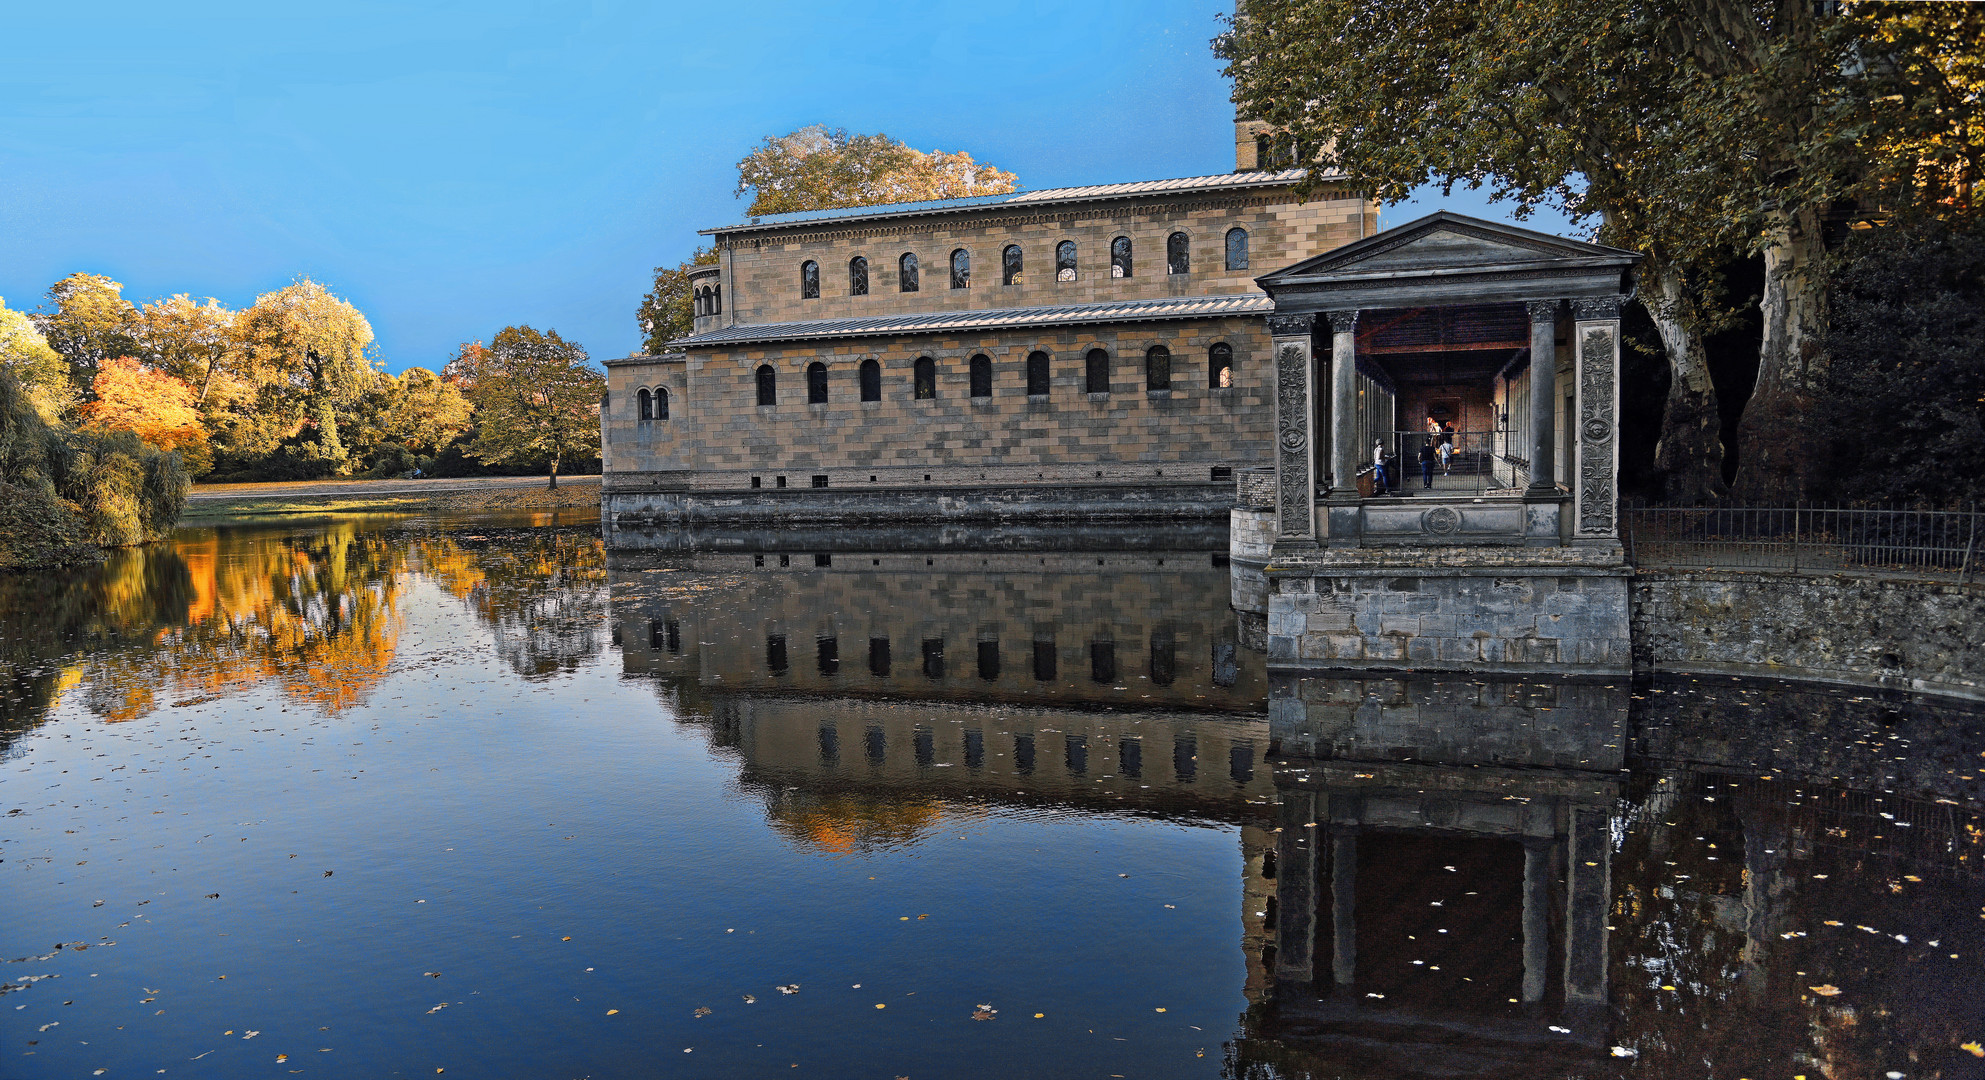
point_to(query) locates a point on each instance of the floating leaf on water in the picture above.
(702, 1010)
(1825, 990)
(616, 1012)
(1972, 1048)
(749, 1000)
(1621, 1051)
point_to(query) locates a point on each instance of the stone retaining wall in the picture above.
(1904, 634)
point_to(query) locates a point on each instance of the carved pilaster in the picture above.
(1295, 462)
(1598, 432)
(1596, 308)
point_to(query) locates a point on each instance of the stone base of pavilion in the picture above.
(1449, 608)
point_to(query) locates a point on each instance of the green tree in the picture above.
(425, 412)
(194, 343)
(668, 311)
(1690, 129)
(42, 373)
(535, 395)
(88, 321)
(309, 352)
(817, 168)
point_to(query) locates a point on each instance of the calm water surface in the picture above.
(374, 796)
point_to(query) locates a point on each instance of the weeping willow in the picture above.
(67, 495)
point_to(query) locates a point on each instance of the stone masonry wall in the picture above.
(1918, 635)
(1516, 619)
(762, 271)
(718, 438)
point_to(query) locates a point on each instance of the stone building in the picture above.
(1094, 353)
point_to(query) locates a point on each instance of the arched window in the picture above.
(1237, 249)
(717, 299)
(606, 398)
(925, 379)
(1037, 374)
(906, 269)
(702, 302)
(858, 276)
(1120, 257)
(644, 407)
(871, 378)
(809, 280)
(1097, 375)
(1220, 366)
(1010, 263)
(981, 375)
(1157, 368)
(1178, 253)
(816, 383)
(768, 385)
(961, 269)
(661, 403)
(1065, 261)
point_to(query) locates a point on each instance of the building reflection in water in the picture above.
(870, 693)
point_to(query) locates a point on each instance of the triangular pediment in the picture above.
(1444, 241)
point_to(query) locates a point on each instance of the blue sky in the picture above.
(455, 168)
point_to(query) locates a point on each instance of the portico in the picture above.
(1504, 344)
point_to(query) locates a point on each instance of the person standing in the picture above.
(1427, 464)
(1379, 484)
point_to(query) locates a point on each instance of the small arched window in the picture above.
(1120, 257)
(768, 385)
(1237, 249)
(1220, 366)
(858, 276)
(816, 383)
(717, 299)
(925, 378)
(644, 407)
(961, 269)
(1065, 261)
(606, 398)
(661, 403)
(906, 270)
(1037, 374)
(1157, 368)
(981, 375)
(702, 302)
(871, 379)
(809, 280)
(1097, 372)
(1178, 254)
(1010, 265)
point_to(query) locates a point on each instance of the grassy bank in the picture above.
(243, 500)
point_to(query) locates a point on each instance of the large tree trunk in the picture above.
(1778, 450)
(1689, 454)
(553, 483)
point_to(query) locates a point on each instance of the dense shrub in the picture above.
(61, 492)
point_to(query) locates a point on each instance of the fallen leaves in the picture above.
(792, 988)
(1825, 990)
(985, 1012)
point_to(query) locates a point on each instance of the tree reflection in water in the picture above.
(316, 613)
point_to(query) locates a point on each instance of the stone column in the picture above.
(1344, 903)
(1543, 392)
(1536, 915)
(1295, 888)
(1344, 456)
(1595, 479)
(1588, 902)
(1295, 461)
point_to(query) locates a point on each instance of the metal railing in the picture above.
(1465, 463)
(1858, 539)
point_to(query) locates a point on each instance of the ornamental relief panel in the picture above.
(1294, 500)
(1597, 501)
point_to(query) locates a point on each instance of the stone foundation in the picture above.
(778, 508)
(1473, 609)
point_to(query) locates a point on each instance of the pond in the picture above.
(383, 796)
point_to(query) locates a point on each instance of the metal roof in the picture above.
(1182, 307)
(1094, 192)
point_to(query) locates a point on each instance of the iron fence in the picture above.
(1941, 543)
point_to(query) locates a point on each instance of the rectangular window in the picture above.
(1130, 758)
(775, 653)
(934, 658)
(1076, 756)
(975, 749)
(828, 652)
(819, 481)
(821, 558)
(1103, 661)
(878, 657)
(1044, 661)
(988, 660)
